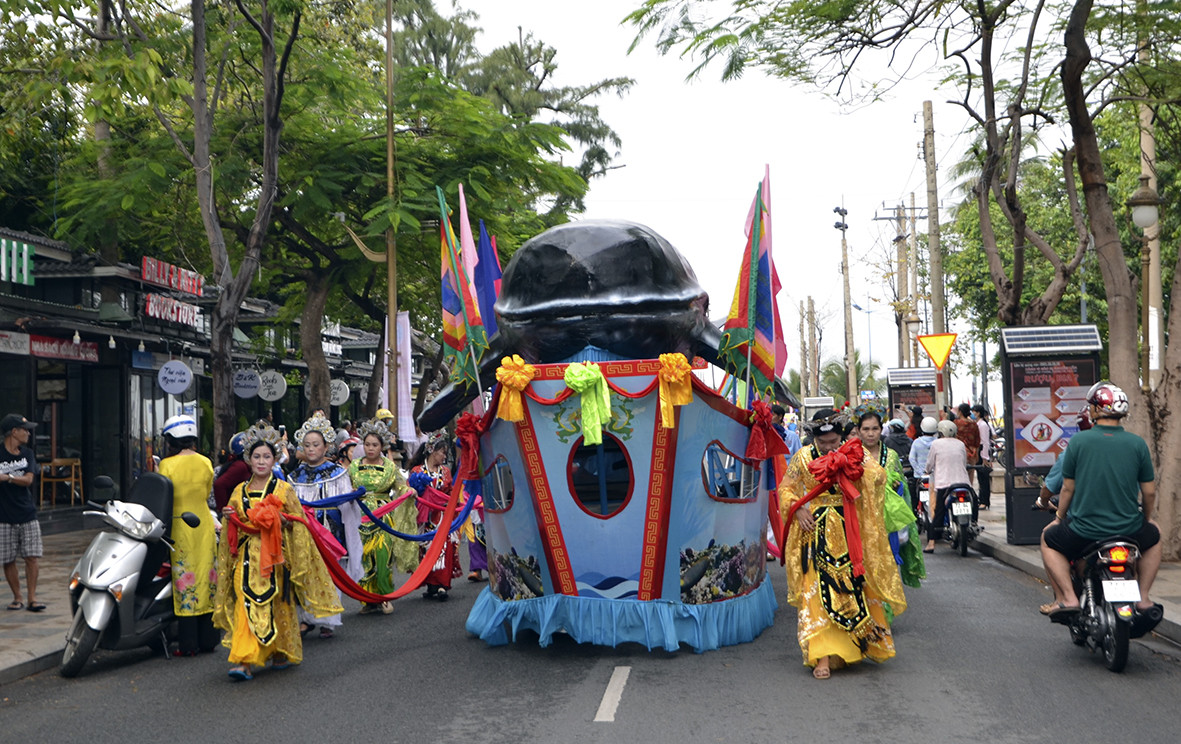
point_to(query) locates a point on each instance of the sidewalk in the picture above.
(33, 642)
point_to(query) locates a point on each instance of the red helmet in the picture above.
(1109, 400)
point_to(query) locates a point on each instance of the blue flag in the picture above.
(486, 278)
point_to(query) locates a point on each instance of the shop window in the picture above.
(498, 486)
(728, 477)
(601, 478)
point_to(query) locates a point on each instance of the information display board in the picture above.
(1046, 397)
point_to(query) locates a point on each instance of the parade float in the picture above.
(625, 499)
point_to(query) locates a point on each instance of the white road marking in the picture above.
(613, 694)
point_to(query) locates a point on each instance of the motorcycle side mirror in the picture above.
(191, 519)
(104, 489)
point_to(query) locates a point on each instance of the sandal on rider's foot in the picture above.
(1064, 615)
(36, 607)
(16, 604)
(1047, 608)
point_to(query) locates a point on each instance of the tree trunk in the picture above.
(311, 341)
(1149, 413)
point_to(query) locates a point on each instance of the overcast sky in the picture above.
(694, 152)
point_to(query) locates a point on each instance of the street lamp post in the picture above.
(1145, 206)
(850, 364)
(913, 324)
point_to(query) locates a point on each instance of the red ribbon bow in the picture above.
(468, 430)
(841, 467)
(764, 442)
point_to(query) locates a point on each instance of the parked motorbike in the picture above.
(121, 588)
(1104, 579)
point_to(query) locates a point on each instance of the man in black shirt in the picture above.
(20, 533)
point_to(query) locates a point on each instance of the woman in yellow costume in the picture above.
(267, 564)
(839, 583)
(383, 481)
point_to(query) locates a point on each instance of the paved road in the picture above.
(975, 662)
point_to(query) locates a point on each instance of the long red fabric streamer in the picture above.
(346, 584)
(841, 466)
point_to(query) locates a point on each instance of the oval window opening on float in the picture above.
(498, 486)
(601, 478)
(728, 477)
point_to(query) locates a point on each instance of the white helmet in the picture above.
(928, 425)
(180, 427)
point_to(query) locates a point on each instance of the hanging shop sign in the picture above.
(271, 385)
(13, 342)
(174, 311)
(338, 392)
(175, 377)
(164, 274)
(16, 261)
(63, 348)
(246, 383)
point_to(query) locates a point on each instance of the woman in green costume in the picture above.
(897, 512)
(383, 482)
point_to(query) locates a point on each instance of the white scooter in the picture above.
(121, 589)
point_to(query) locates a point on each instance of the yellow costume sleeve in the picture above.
(881, 572)
(309, 576)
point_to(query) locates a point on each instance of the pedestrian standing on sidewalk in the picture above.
(980, 413)
(20, 532)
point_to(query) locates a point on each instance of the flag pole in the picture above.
(749, 348)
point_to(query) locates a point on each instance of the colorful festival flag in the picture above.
(752, 329)
(487, 279)
(464, 337)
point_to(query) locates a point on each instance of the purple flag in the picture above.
(487, 279)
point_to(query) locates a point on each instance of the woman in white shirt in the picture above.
(947, 464)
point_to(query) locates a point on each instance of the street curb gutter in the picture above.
(1029, 562)
(47, 656)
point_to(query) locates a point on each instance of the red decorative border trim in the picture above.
(710, 397)
(664, 456)
(631, 478)
(558, 558)
(622, 368)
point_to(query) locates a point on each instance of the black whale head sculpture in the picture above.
(611, 284)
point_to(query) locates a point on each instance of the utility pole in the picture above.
(935, 250)
(804, 377)
(813, 350)
(900, 243)
(850, 363)
(1155, 332)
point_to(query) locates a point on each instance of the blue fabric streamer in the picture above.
(331, 501)
(610, 622)
(426, 536)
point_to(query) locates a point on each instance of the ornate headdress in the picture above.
(377, 428)
(316, 423)
(867, 408)
(826, 421)
(435, 440)
(260, 432)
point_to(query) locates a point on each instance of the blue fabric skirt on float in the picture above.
(653, 624)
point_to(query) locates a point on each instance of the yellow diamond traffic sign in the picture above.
(938, 347)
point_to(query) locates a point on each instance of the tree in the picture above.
(834, 382)
(1050, 77)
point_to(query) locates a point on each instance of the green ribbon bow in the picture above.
(587, 380)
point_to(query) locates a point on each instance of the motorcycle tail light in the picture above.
(1117, 568)
(1119, 554)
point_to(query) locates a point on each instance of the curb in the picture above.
(1029, 562)
(47, 655)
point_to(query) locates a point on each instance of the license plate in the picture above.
(961, 508)
(1121, 590)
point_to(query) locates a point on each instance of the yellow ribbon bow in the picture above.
(675, 386)
(514, 375)
(587, 380)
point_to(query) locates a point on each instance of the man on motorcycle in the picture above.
(1108, 489)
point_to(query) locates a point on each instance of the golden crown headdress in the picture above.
(316, 423)
(378, 429)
